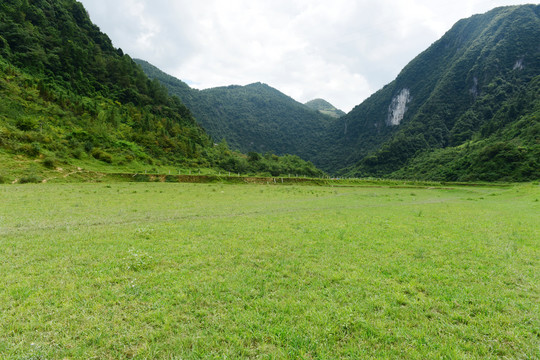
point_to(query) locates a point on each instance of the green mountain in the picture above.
(67, 96)
(67, 90)
(255, 117)
(324, 107)
(467, 108)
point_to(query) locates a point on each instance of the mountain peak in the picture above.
(324, 107)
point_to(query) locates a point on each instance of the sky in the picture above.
(339, 50)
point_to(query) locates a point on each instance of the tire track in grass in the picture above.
(24, 229)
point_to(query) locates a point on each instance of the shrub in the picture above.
(61, 154)
(30, 149)
(49, 163)
(30, 179)
(141, 178)
(102, 155)
(26, 124)
(77, 152)
(88, 146)
(171, 178)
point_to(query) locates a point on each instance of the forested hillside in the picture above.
(66, 94)
(465, 109)
(255, 117)
(67, 90)
(507, 148)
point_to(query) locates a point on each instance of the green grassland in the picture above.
(189, 271)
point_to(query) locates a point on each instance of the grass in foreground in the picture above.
(186, 271)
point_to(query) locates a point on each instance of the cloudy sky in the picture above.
(338, 50)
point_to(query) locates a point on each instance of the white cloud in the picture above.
(340, 50)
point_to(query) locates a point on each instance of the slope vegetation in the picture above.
(66, 90)
(468, 104)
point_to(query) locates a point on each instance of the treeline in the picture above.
(57, 40)
(266, 164)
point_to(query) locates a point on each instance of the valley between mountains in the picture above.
(465, 109)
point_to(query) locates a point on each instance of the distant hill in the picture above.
(467, 108)
(324, 107)
(255, 117)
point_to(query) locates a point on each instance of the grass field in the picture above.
(189, 271)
